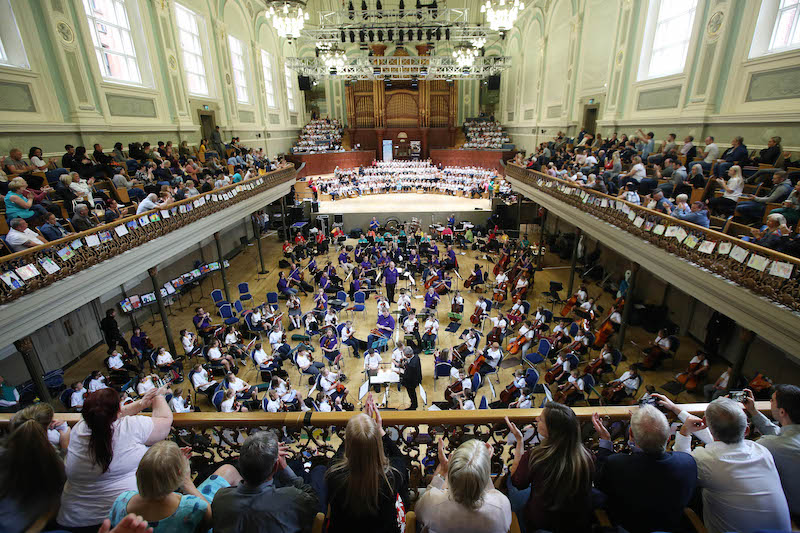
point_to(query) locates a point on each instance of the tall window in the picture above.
(12, 51)
(239, 75)
(667, 35)
(112, 40)
(269, 80)
(189, 24)
(786, 34)
(290, 90)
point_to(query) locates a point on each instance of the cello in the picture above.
(476, 316)
(468, 282)
(500, 293)
(501, 265)
(430, 281)
(553, 373)
(569, 305)
(476, 365)
(691, 377)
(494, 335)
(607, 328)
(453, 390)
(516, 345)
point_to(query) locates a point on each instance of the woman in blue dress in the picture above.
(164, 469)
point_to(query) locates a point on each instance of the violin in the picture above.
(476, 365)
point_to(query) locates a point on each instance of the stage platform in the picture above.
(404, 203)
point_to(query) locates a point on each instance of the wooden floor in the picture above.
(243, 268)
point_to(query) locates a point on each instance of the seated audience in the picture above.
(20, 237)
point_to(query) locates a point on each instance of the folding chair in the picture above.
(244, 292)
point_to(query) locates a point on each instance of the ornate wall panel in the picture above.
(665, 98)
(130, 106)
(774, 85)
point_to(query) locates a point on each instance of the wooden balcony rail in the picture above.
(217, 437)
(761, 270)
(61, 258)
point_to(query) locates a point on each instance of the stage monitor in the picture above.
(304, 82)
(494, 82)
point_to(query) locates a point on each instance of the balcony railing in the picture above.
(761, 270)
(217, 437)
(25, 272)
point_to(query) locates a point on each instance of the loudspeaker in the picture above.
(338, 219)
(304, 82)
(494, 82)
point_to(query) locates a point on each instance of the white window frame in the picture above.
(649, 41)
(767, 25)
(192, 57)
(291, 103)
(130, 9)
(239, 67)
(268, 70)
(12, 49)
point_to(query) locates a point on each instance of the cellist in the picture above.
(657, 351)
(516, 314)
(603, 363)
(521, 289)
(476, 277)
(501, 285)
(697, 370)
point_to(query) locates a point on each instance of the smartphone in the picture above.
(738, 395)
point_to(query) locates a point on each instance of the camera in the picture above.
(738, 396)
(647, 399)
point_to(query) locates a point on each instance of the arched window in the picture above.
(269, 79)
(191, 35)
(778, 27)
(12, 51)
(238, 62)
(113, 41)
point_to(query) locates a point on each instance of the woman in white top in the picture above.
(200, 381)
(105, 448)
(146, 384)
(98, 381)
(82, 188)
(239, 386)
(215, 354)
(190, 342)
(273, 403)
(726, 204)
(165, 362)
(460, 497)
(178, 403)
(229, 404)
(330, 317)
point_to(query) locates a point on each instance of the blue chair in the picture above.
(541, 353)
(244, 292)
(476, 381)
(441, 370)
(194, 390)
(215, 366)
(66, 397)
(341, 295)
(252, 328)
(219, 300)
(359, 302)
(272, 300)
(531, 378)
(573, 361)
(219, 396)
(548, 316)
(526, 306)
(239, 307)
(496, 370)
(588, 388)
(227, 315)
(484, 404)
(573, 329)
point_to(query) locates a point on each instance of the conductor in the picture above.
(412, 375)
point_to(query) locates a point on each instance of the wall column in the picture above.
(222, 268)
(574, 263)
(34, 365)
(747, 337)
(257, 237)
(162, 309)
(626, 311)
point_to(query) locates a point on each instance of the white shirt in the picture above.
(188, 343)
(231, 338)
(695, 360)
(200, 380)
(616, 318)
(260, 356)
(439, 513)
(372, 361)
(638, 172)
(89, 493)
(115, 361)
(76, 399)
(586, 306)
(499, 323)
(493, 356)
(469, 405)
(303, 361)
(273, 406)
(712, 153)
(227, 405)
(525, 403)
(409, 323)
(432, 325)
(397, 357)
(741, 487)
(145, 386)
(214, 354)
(347, 332)
(330, 319)
(97, 384)
(276, 339)
(178, 405)
(164, 358)
(327, 383)
(630, 381)
(237, 384)
(17, 239)
(577, 381)
(325, 406)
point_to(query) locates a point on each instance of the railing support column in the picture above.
(574, 262)
(747, 337)
(222, 268)
(162, 309)
(542, 222)
(34, 365)
(283, 218)
(626, 311)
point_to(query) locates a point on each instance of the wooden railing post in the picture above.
(162, 309)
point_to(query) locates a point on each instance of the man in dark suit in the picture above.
(623, 477)
(412, 375)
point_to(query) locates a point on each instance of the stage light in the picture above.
(361, 36)
(447, 34)
(352, 36)
(419, 35)
(371, 35)
(380, 36)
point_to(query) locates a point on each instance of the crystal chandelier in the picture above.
(288, 17)
(465, 56)
(502, 15)
(479, 42)
(333, 59)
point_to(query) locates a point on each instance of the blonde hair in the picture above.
(363, 465)
(737, 171)
(161, 470)
(17, 184)
(468, 474)
(42, 413)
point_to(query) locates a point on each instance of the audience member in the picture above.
(20, 236)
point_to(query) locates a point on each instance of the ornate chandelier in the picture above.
(502, 15)
(465, 56)
(288, 17)
(479, 42)
(334, 58)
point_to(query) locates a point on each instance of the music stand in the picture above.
(552, 295)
